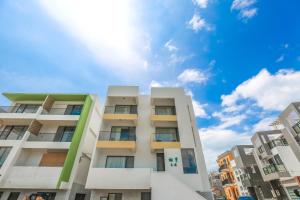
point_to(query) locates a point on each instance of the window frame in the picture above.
(185, 169)
(126, 161)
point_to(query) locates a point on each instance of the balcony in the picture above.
(226, 181)
(163, 114)
(223, 167)
(48, 141)
(60, 116)
(277, 142)
(161, 141)
(273, 168)
(18, 114)
(116, 140)
(119, 178)
(127, 113)
(28, 177)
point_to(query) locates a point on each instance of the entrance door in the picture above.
(160, 161)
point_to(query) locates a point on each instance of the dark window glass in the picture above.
(115, 196)
(13, 196)
(163, 134)
(119, 133)
(27, 108)
(79, 196)
(165, 110)
(4, 151)
(73, 110)
(296, 128)
(13, 132)
(188, 161)
(64, 134)
(160, 162)
(119, 162)
(146, 196)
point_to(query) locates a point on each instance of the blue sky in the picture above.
(239, 59)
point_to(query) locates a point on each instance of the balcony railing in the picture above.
(11, 135)
(126, 109)
(227, 181)
(116, 136)
(18, 109)
(164, 110)
(50, 137)
(61, 111)
(273, 168)
(165, 137)
(277, 142)
(222, 167)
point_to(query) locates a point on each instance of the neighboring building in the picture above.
(277, 162)
(216, 185)
(247, 174)
(227, 175)
(148, 148)
(45, 145)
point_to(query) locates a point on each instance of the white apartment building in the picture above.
(148, 147)
(46, 141)
(277, 162)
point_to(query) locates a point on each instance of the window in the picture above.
(79, 196)
(115, 196)
(165, 110)
(248, 151)
(27, 108)
(296, 128)
(146, 196)
(260, 149)
(119, 162)
(13, 196)
(160, 161)
(64, 134)
(189, 161)
(4, 151)
(73, 110)
(126, 109)
(119, 133)
(163, 134)
(12, 132)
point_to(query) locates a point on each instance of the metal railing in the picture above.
(60, 111)
(126, 109)
(273, 168)
(164, 110)
(11, 135)
(17, 109)
(226, 181)
(165, 137)
(42, 137)
(277, 142)
(222, 167)
(116, 136)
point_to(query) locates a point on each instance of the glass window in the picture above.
(146, 196)
(64, 134)
(13, 196)
(13, 132)
(165, 110)
(115, 196)
(163, 134)
(73, 110)
(79, 196)
(4, 151)
(119, 133)
(188, 161)
(126, 109)
(119, 162)
(27, 108)
(296, 128)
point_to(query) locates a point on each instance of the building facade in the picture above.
(247, 174)
(216, 185)
(46, 141)
(148, 147)
(226, 168)
(277, 162)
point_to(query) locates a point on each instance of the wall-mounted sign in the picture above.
(173, 161)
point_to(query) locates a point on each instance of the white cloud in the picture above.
(264, 124)
(216, 141)
(170, 46)
(197, 23)
(199, 109)
(245, 8)
(280, 59)
(192, 76)
(201, 3)
(269, 91)
(106, 28)
(228, 120)
(155, 84)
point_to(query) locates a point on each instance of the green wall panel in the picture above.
(70, 159)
